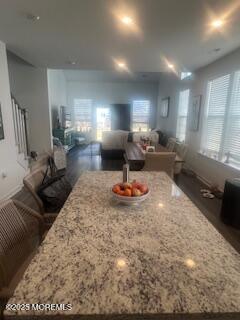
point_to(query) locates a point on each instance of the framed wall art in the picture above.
(164, 109)
(194, 113)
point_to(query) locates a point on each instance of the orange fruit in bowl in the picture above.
(127, 185)
(121, 192)
(135, 184)
(143, 188)
(136, 192)
(128, 192)
(116, 188)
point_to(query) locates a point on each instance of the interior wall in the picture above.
(106, 93)
(209, 169)
(29, 86)
(169, 86)
(57, 93)
(11, 172)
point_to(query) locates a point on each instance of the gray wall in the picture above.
(57, 93)
(209, 169)
(30, 87)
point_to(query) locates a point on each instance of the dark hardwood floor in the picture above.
(84, 158)
(211, 208)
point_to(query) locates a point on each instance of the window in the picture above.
(83, 114)
(182, 115)
(140, 115)
(221, 131)
(232, 137)
(185, 75)
(215, 115)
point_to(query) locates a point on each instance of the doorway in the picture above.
(103, 121)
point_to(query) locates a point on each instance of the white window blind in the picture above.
(216, 108)
(83, 114)
(182, 115)
(185, 75)
(232, 137)
(140, 115)
(221, 129)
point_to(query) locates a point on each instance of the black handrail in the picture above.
(25, 122)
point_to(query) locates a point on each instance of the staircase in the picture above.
(20, 120)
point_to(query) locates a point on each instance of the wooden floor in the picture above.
(211, 208)
(88, 158)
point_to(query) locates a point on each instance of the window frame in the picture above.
(185, 75)
(149, 115)
(90, 127)
(181, 116)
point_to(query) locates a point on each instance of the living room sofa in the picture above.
(113, 144)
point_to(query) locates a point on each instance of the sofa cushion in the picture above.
(130, 136)
(162, 138)
(153, 136)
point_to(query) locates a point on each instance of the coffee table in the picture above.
(134, 156)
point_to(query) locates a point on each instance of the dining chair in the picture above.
(41, 162)
(171, 144)
(21, 232)
(160, 161)
(32, 182)
(181, 150)
(60, 158)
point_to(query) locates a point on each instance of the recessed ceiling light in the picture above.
(127, 20)
(170, 66)
(121, 65)
(33, 17)
(217, 23)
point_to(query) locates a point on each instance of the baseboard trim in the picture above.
(12, 192)
(205, 181)
(201, 178)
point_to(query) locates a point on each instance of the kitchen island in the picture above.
(161, 259)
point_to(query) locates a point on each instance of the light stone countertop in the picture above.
(161, 259)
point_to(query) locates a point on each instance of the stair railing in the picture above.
(20, 120)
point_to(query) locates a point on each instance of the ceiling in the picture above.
(89, 32)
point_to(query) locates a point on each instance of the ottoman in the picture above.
(230, 212)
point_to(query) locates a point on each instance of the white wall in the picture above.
(57, 93)
(106, 93)
(8, 151)
(30, 88)
(169, 86)
(210, 170)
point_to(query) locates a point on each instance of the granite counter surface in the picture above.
(161, 258)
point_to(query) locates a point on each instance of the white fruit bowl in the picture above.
(130, 200)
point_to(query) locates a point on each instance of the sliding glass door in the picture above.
(103, 121)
